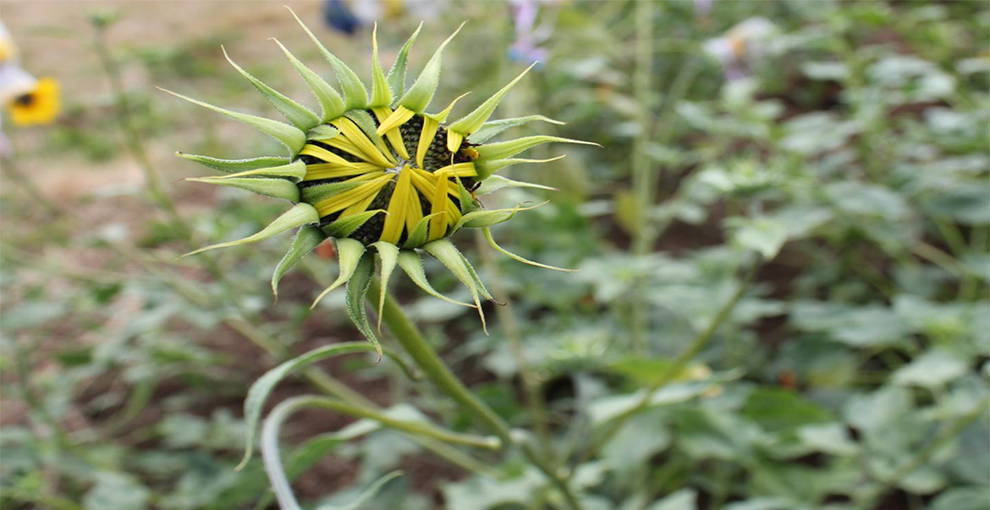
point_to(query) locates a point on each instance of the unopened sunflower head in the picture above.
(378, 173)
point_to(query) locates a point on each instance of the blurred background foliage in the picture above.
(801, 185)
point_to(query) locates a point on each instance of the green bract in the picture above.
(377, 173)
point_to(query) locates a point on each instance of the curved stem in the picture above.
(407, 334)
(435, 369)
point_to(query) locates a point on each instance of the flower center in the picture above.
(405, 174)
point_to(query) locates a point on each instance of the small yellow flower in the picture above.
(39, 106)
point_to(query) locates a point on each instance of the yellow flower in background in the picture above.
(29, 100)
(40, 106)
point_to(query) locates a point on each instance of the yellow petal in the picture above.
(454, 140)
(349, 198)
(398, 118)
(320, 153)
(360, 141)
(426, 139)
(333, 170)
(393, 135)
(397, 208)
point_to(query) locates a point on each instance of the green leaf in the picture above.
(307, 238)
(412, 264)
(388, 253)
(684, 499)
(235, 165)
(357, 290)
(355, 95)
(273, 462)
(343, 227)
(255, 401)
(299, 215)
(330, 101)
(490, 129)
(276, 188)
(418, 97)
(472, 121)
(397, 74)
(297, 114)
(501, 150)
(349, 253)
(762, 235)
(931, 370)
(116, 491)
(289, 136)
(779, 410)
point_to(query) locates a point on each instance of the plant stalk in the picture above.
(423, 354)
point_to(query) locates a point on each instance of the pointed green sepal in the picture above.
(367, 125)
(344, 227)
(275, 188)
(355, 95)
(412, 264)
(441, 116)
(474, 120)
(397, 74)
(490, 217)
(330, 101)
(349, 252)
(418, 97)
(381, 94)
(419, 234)
(388, 253)
(297, 114)
(307, 238)
(496, 182)
(486, 168)
(490, 129)
(322, 132)
(491, 240)
(357, 290)
(234, 165)
(501, 150)
(314, 194)
(468, 203)
(289, 136)
(294, 171)
(448, 255)
(299, 215)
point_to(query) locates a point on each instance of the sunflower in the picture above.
(378, 174)
(39, 106)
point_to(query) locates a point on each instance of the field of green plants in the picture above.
(782, 245)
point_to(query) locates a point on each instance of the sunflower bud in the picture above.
(377, 172)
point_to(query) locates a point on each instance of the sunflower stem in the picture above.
(423, 354)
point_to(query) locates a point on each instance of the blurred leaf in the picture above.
(116, 491)
(932, 369)
(780, 410)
